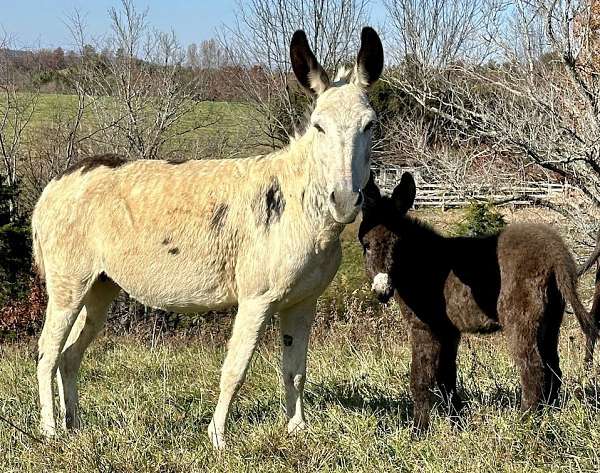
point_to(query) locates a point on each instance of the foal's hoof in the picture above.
(217, 438)
(295, 426)
(72, 424)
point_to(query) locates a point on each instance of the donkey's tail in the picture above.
(566, 279)
(38, 258)
(592, 259)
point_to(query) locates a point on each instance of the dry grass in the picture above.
(146, 408)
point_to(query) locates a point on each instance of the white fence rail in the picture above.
(445, 196)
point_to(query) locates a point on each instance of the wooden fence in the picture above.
(446, 196)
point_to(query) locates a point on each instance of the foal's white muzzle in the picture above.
(382, 287)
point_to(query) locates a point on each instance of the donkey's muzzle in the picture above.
(382, 287)
(344, 205)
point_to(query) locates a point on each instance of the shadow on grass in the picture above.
(362, 396)
(500, 397)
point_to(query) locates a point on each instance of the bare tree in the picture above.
(209, 54)
(439, 32)
(142, 98)
(259, 45)
(16, 111)
(532, 94)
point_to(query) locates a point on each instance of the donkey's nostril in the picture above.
(332, 197)
(359, 199)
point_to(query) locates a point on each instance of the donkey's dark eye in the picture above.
(369, 126)
(319, 128)
(366, 246)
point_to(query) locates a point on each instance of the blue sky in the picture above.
(41, 23)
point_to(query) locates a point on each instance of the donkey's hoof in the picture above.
(48, 431)
(295, 426)
(216, 437)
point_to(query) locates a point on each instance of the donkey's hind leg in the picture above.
(87, 326)
(64, 304)
(522, 324)
(548, 341)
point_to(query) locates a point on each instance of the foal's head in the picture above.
(379, 231)
(342, 120)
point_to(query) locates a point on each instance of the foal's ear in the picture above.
(371, 193)
(404, 193)
(307, 69)
(369, 62)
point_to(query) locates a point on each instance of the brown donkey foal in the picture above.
(516, 281)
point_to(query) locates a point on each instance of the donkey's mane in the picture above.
(302, 124)
(419, 227)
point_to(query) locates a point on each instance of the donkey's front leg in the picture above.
(247, 329)
(296, 322)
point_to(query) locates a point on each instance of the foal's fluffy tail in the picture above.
(566, 279)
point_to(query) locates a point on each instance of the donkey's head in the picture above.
(379, 232)
(342, 120)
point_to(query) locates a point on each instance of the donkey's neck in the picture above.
(300, 171)
(414, 229)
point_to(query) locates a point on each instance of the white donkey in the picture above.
(259, 232)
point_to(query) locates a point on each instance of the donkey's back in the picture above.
(171, 234)
(525, 264)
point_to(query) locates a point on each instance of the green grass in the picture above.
(227, 122)
(146, 408)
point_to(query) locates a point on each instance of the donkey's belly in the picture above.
(179, 297)
(176, 280)
(467, 311)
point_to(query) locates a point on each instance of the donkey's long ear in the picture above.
(307, 69)
(404, 193)
(369, 62)
(371, 193)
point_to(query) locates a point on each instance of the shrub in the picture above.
(15, 262)
(481, 219)
(24, 316)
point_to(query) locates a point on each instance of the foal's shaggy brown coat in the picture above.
(517, 281)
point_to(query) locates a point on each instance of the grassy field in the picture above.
(226, 124)
(148, 409)
(146, 406)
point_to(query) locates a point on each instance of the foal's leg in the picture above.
(296, 322)
(426, 349)
(446, 372)
(87, 326)
(433, 363)
(595, 314)
(548, 341)
(522, 331)
(247, 329)
(552, 371)
(64, 304)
